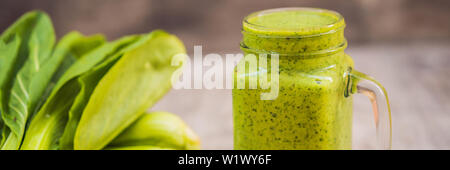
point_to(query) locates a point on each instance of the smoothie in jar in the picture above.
(311, 110)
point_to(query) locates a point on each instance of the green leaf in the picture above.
(4, 133)
(66, 53)
(49, 124)
(30, 81)
(12, 54)
(21, 26)
(44, 131)
(88, 82)
(8, 54)
(139, 79)
(161, 129)
(70, 48)
(91, 59)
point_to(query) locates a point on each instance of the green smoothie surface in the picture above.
(293, 21)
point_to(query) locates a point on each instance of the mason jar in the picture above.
(294, 85)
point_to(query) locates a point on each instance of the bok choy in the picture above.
(85, 92)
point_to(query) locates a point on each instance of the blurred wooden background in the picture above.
(403, 43)
(216, 24)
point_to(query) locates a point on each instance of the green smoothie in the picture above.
(311, 110)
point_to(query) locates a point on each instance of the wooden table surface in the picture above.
(416, 76)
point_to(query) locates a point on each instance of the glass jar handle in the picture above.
(361, 83)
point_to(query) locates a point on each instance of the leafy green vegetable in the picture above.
(42, 127)
(49, 124)
(44, 131)
(85, 92)
(70, 48)
(160, 129)
(140, 78)
(30, 82)
(90, 60)
(8, 53)
(10, 60)
(68, 101)
(88, 82)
